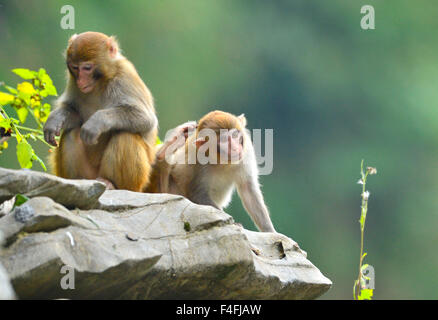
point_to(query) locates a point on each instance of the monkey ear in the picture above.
(242, 119)
(72, 38)
(113, 47)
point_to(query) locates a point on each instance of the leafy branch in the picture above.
(27, 98)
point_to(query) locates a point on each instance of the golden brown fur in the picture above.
(107, 114)
(213, 183)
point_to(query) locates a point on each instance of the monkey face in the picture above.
(230, 145)
(90, 57)
(85, 74)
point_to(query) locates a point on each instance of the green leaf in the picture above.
(11, 90)
(51, 90)
(6, 98)
(25, 154)
(26, 87)
(25, 73)
(45, 79)
(43, 112)
(3, 146)
(44, 93)
(5, 123)
(24, 96)
(19, 200)
(47, 83)
(41, 72)
(22, 114)
(366, 294)
(158, 142)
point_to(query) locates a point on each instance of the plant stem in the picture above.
(29, 129)
(363, 216)
(360, 265)
(44, 141)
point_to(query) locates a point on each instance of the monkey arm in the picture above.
(165, 155)
(164, 176)
(163, 168)
(176, 138)
(161, 153)
(64, 117)
(124, 118)
(252, 199)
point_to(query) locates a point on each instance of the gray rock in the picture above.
(6, 207)
(6, 291)
(40, 214)
(151, 246)
(70, 193)
(104, 264)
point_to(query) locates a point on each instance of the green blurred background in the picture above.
(333, 93)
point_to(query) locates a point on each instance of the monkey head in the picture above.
(229, 132)
(90, 58)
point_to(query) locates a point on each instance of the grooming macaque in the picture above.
(224, 159)
(107, 116)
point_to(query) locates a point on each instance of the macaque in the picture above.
(106, 117)
(232, 164)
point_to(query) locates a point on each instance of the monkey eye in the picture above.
(88, 67)
(74, 67)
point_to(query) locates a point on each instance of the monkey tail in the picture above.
(54, 160)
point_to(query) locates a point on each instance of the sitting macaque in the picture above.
(106, 117)
(228, 162)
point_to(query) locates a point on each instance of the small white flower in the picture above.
(365, 195)
(360, 181)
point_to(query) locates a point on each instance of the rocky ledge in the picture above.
(125, 245)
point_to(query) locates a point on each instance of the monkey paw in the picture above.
(90, 134)
(186, 128)
(52, 129)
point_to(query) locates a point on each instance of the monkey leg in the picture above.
(126, 162)
(70, 159)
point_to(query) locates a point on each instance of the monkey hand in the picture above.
(176, 139)
(186, 128)
(51, 129)
(183, 130)
(90, 133)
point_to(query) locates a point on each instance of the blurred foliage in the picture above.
(333, 93)
(26, 99)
